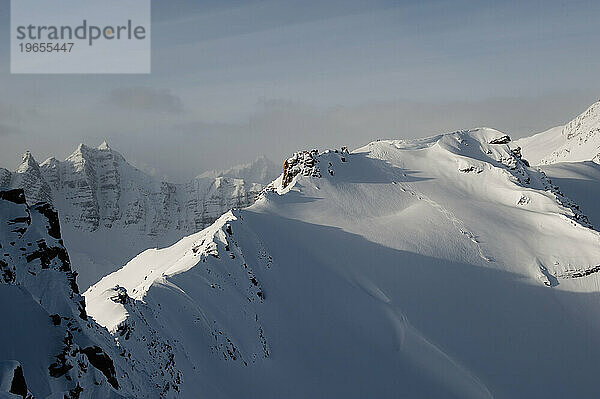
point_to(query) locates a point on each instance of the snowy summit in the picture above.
(446, 267)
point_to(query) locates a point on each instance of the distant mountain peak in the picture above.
(261, 170)
(588, 121)
(28, 176)
(83, 152)
(98, 193)
(576, 141)
(104, 146)
(27, 162)
(50, 162)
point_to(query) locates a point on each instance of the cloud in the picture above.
(7, 130)
(145, 99)
(180, 145)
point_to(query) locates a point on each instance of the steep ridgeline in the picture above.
(111, 211)
(570, 156)
(578, 140)
(443, 267)
(48, 345)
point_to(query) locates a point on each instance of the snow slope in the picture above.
(48, 345)
(581, 181)
(569, 155)
(110, 211)
(578, 140)
(439, 267)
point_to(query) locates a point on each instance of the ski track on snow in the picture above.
(456, 222)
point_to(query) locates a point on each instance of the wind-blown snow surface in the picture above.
(578, 140)
(110, 211)
(441, 267)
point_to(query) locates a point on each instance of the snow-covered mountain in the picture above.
(262, 169)
(49, 347)
(578, 140)
(439, 267)
(570, 156)
(111, 211)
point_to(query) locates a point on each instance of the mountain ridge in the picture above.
(576, 141)
(50, 345)
(447, 266)
(380, 257)
(99, 194)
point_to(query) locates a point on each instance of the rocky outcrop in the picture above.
(504, 139)
(12, 379)
(301, 163)
(37, 278)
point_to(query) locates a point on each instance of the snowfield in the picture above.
(577, 141)
(440, 267)
(463, 265)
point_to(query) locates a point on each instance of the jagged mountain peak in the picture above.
(28, 162)
(585, 123)
(83, 150)
(51, 162)
(81, 147)
(29, 177)
(100, 195)
(104, 146)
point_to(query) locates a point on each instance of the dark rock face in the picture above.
(517, 153)
(304, 163)
(18, 385)
(8, 273)
(505, 139)
(55, 319)
(102, 362)
(17, 195)
(35, 259)
(120, 295)
(60, 367)
(50, 252)
(51, 215)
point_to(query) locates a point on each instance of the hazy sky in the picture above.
(234, 79)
